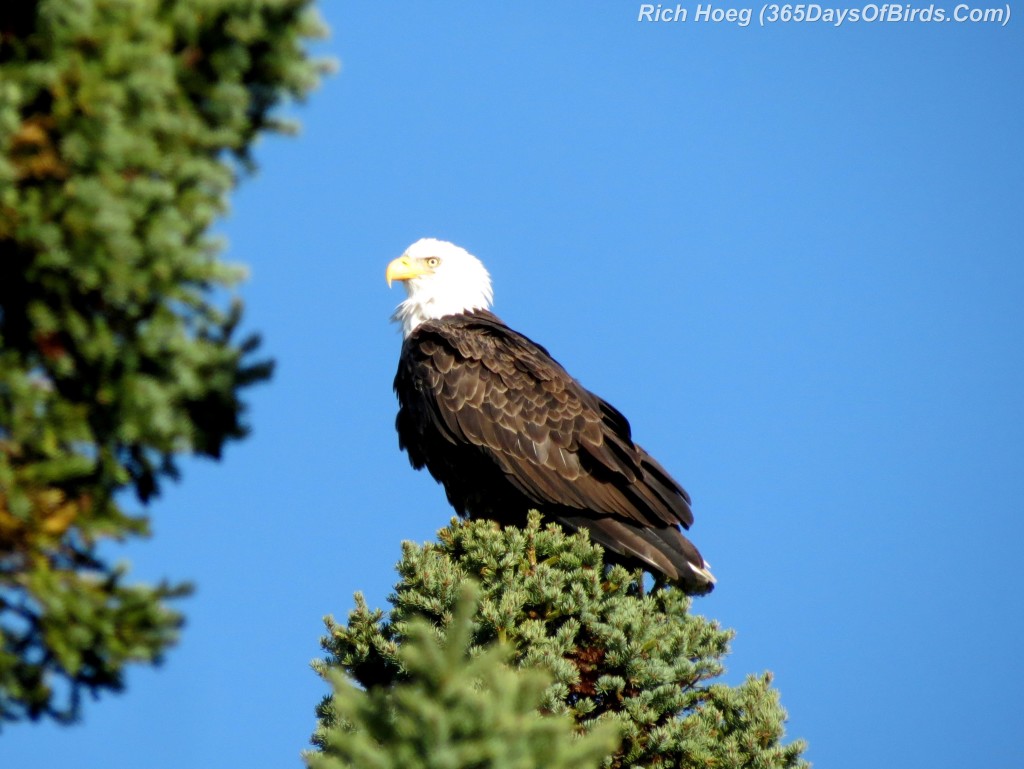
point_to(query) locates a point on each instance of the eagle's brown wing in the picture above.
(472, 381)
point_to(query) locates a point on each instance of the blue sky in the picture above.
(791, 255)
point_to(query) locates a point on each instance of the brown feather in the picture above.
(505, 429)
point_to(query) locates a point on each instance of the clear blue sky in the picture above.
(792, 256)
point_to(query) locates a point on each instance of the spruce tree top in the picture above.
(616, 651)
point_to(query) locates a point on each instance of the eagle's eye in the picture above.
(433, 261)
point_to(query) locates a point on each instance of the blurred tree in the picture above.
(123, 126)
(617, 653)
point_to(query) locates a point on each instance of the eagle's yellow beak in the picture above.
(403, 268)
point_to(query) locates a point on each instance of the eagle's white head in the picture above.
(440, 279)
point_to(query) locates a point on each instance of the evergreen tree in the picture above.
(617, 653)
(454, 709)
(123, 126)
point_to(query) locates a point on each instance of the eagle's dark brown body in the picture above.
(505, 429)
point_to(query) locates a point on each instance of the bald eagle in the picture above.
(505, 429)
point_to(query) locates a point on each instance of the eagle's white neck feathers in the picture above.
(458, 283)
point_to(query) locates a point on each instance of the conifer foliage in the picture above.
(616, 653)
(454, 710)
(123, 126)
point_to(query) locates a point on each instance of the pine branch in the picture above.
(124, 125)
(459, 706)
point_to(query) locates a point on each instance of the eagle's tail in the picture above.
(662, 550)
